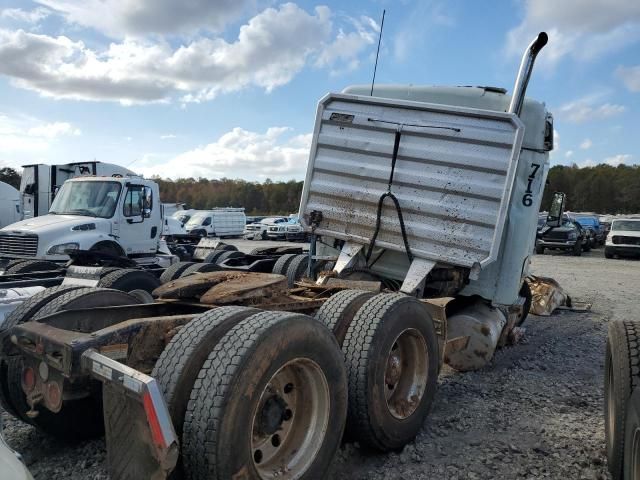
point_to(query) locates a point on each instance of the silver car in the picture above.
(11, 466)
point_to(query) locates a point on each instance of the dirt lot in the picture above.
(535, 412)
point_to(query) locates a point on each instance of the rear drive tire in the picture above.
(391, 351)
(631, 467)
(337, 313)
(174, 271)
(281, 265)
(525, 292)
(128, 279)
(622, 370)
(226, 255)
(280, 399)
(31, 266)
(199, 268)
(297, 269)
(181, 360)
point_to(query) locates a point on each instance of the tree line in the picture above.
(599, 189)
(276, 198)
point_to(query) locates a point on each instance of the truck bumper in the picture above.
(559, 245)
(625, 250)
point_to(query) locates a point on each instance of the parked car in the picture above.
(623, 239)
(290, 230)
(592, 223)
(258, 230)
(570, 236)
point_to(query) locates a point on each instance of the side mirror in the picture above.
(146, 212)
(554, 219)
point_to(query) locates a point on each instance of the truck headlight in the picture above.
(62, 248)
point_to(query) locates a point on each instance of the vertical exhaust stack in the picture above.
(526, 67)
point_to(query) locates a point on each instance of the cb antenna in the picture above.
(375, 67)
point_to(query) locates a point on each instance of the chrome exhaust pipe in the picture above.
(526, 67)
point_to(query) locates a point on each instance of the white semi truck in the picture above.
(422, 207)
(119, 216)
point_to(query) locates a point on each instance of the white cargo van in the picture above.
(219, 222)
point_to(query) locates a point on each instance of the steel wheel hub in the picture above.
(290, 420)
(406, 374)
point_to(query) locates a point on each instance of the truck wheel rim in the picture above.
(290, 420)
(406, 372)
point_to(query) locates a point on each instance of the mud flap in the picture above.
(141, 440)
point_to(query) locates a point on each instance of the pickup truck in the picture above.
(569, 236)
(623, 239)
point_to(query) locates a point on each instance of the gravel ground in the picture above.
(534, 412)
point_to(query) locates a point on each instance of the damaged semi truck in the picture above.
(422, 206)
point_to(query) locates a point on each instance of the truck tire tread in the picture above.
(174, 271)
(359, 350)
(338, 311)
(31, 266)
(138, 280)
(223, 373)
(182, 358)
(280, 267)
(297, 269)
(200, 268)
(623, 361)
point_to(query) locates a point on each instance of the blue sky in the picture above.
(229, 88)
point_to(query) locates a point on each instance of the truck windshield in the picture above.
(626, 225)
(197, 219)
(94, 199)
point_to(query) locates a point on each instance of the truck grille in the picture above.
(555, 236)
(625, 240)
(19, 245)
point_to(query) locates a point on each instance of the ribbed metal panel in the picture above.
(453, 186)
(19, 245)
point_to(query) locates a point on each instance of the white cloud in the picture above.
(120, 18)
(25, 16)
(53, 130)
(587, 163)
(240, 154)
(586, 144)
(25, 135)
(630, 76)
(168, 136)
(346, 47)
(588, 108)
(270, 50)
(618, 159)
(568, 154)
(580, 29)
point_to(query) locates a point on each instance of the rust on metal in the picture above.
(239, 287)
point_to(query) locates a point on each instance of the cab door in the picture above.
(140, 220)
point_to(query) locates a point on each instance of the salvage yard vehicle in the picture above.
(568, 236)
(260, 230)
(116, 216)
(623, 239)
(219, 222)
(227, 375)
(592, 223)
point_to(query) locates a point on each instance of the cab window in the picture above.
(138, 201)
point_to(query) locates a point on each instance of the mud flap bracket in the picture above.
(141, 440)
